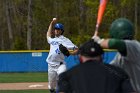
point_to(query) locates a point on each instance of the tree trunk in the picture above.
(136, 16)
(2, 18)
(29, 39)
(2, 40)
(8, 17)
(56, 10)
(82, 16)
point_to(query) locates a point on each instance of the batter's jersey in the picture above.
(131, 62)
(94, 77)
(55, 56)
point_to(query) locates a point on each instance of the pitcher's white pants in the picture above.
(53, 72)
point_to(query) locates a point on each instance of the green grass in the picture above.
(24, 91)
(23, 77)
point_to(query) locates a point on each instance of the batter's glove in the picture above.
(97, 39)
(64, 50)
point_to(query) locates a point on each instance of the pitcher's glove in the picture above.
(64, 50)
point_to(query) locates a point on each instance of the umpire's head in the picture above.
(90, 50)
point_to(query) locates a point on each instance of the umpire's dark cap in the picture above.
(90, 49)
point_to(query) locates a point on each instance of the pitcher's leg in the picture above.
(52, 79)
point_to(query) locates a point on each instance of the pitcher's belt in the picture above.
(61, 63)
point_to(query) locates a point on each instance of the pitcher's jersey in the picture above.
(131, 62)
(55, 56)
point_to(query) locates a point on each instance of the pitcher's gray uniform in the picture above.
(55, 59)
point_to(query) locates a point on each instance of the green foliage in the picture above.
(92, 4)
(138, 34)
(19, 44)
(127, 3)
(80, 39)
(79, 19)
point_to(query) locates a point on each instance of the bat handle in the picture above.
(96, 30)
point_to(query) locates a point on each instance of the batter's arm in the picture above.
(115, 44)
(49, 32)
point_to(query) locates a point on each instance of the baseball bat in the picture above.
(101, 10)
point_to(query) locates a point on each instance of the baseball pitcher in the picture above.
(59, 46)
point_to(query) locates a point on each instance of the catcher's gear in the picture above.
(122, 29)
(64, 50)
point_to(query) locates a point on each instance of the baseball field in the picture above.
(23, 82)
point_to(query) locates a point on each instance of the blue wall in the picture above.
(36, 61)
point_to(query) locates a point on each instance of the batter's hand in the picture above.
(64, 50)
(97, 39)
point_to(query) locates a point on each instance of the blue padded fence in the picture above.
(35, 61)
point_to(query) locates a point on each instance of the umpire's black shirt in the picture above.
(94, 77)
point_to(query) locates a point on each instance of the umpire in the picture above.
(92, 75)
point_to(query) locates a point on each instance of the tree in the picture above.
(24, 22)
(29, 31)
(9, 22)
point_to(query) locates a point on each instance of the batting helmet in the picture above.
(122, 29)
(59, 26)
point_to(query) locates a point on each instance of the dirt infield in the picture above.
(23, 86)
